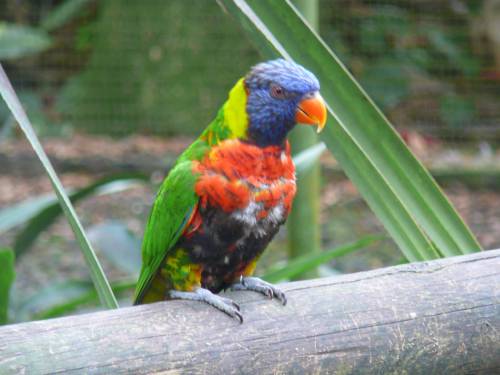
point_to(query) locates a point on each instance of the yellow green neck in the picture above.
(235, 114)
(232, 120)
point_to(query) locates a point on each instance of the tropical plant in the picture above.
(396, 186)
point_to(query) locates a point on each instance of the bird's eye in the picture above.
(277, 91)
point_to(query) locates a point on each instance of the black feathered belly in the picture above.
(225, 244)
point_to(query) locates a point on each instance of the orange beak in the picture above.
(312, 111)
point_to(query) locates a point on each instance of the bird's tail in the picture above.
(155, 292)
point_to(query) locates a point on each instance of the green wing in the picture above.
(176, 199)
(169, 216)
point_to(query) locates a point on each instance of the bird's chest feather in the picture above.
(246, 193)
(251, 184)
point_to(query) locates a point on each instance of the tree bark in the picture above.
(439, 317)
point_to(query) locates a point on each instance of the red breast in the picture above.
(234, 173)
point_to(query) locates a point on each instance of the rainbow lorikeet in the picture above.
(229, 192)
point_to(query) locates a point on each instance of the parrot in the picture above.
(229, 192)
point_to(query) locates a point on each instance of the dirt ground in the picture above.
(80, 159)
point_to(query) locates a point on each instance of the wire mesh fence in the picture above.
(429, 64)
(164, 67)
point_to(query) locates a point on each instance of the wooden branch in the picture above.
(440, 317)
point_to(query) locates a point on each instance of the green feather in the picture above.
(171, 210)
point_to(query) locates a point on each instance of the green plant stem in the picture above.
(304, 230)
(97, 274)
(7, 276)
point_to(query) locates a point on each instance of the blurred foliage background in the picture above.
(102, 67)
(114, 88)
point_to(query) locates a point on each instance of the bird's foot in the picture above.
(257, 285)
(223, 304)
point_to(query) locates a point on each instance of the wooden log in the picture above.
(439, 317)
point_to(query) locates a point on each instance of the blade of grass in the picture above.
(45, 298)
(98, 277)
(305, 159)
(46, 217)
(88, 297)
(28, 209)
(114, 241)
(304, 263)
(20, 213)
(396, 186)
(18, 41)
(6, 279)
(61, 298)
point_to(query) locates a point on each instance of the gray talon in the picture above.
(257, 285)
(239, 316)
(236, 306)
(282, 298)
(270, 293)
(230, 302)
(223, 304)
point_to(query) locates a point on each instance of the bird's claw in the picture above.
(230, 302)
(223, 304)
(257, 285)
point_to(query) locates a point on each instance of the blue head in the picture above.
(280, 94)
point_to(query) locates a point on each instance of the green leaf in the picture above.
(33, 105)
(100, 281)
(20, 213)
(6, 278)
(63, 13)
(20, 41)
(305, 263)
(305, 159)
(55, 294)
(113, 240)
(62, 298)
(29, 209)
(50, 213)
(395, 185)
